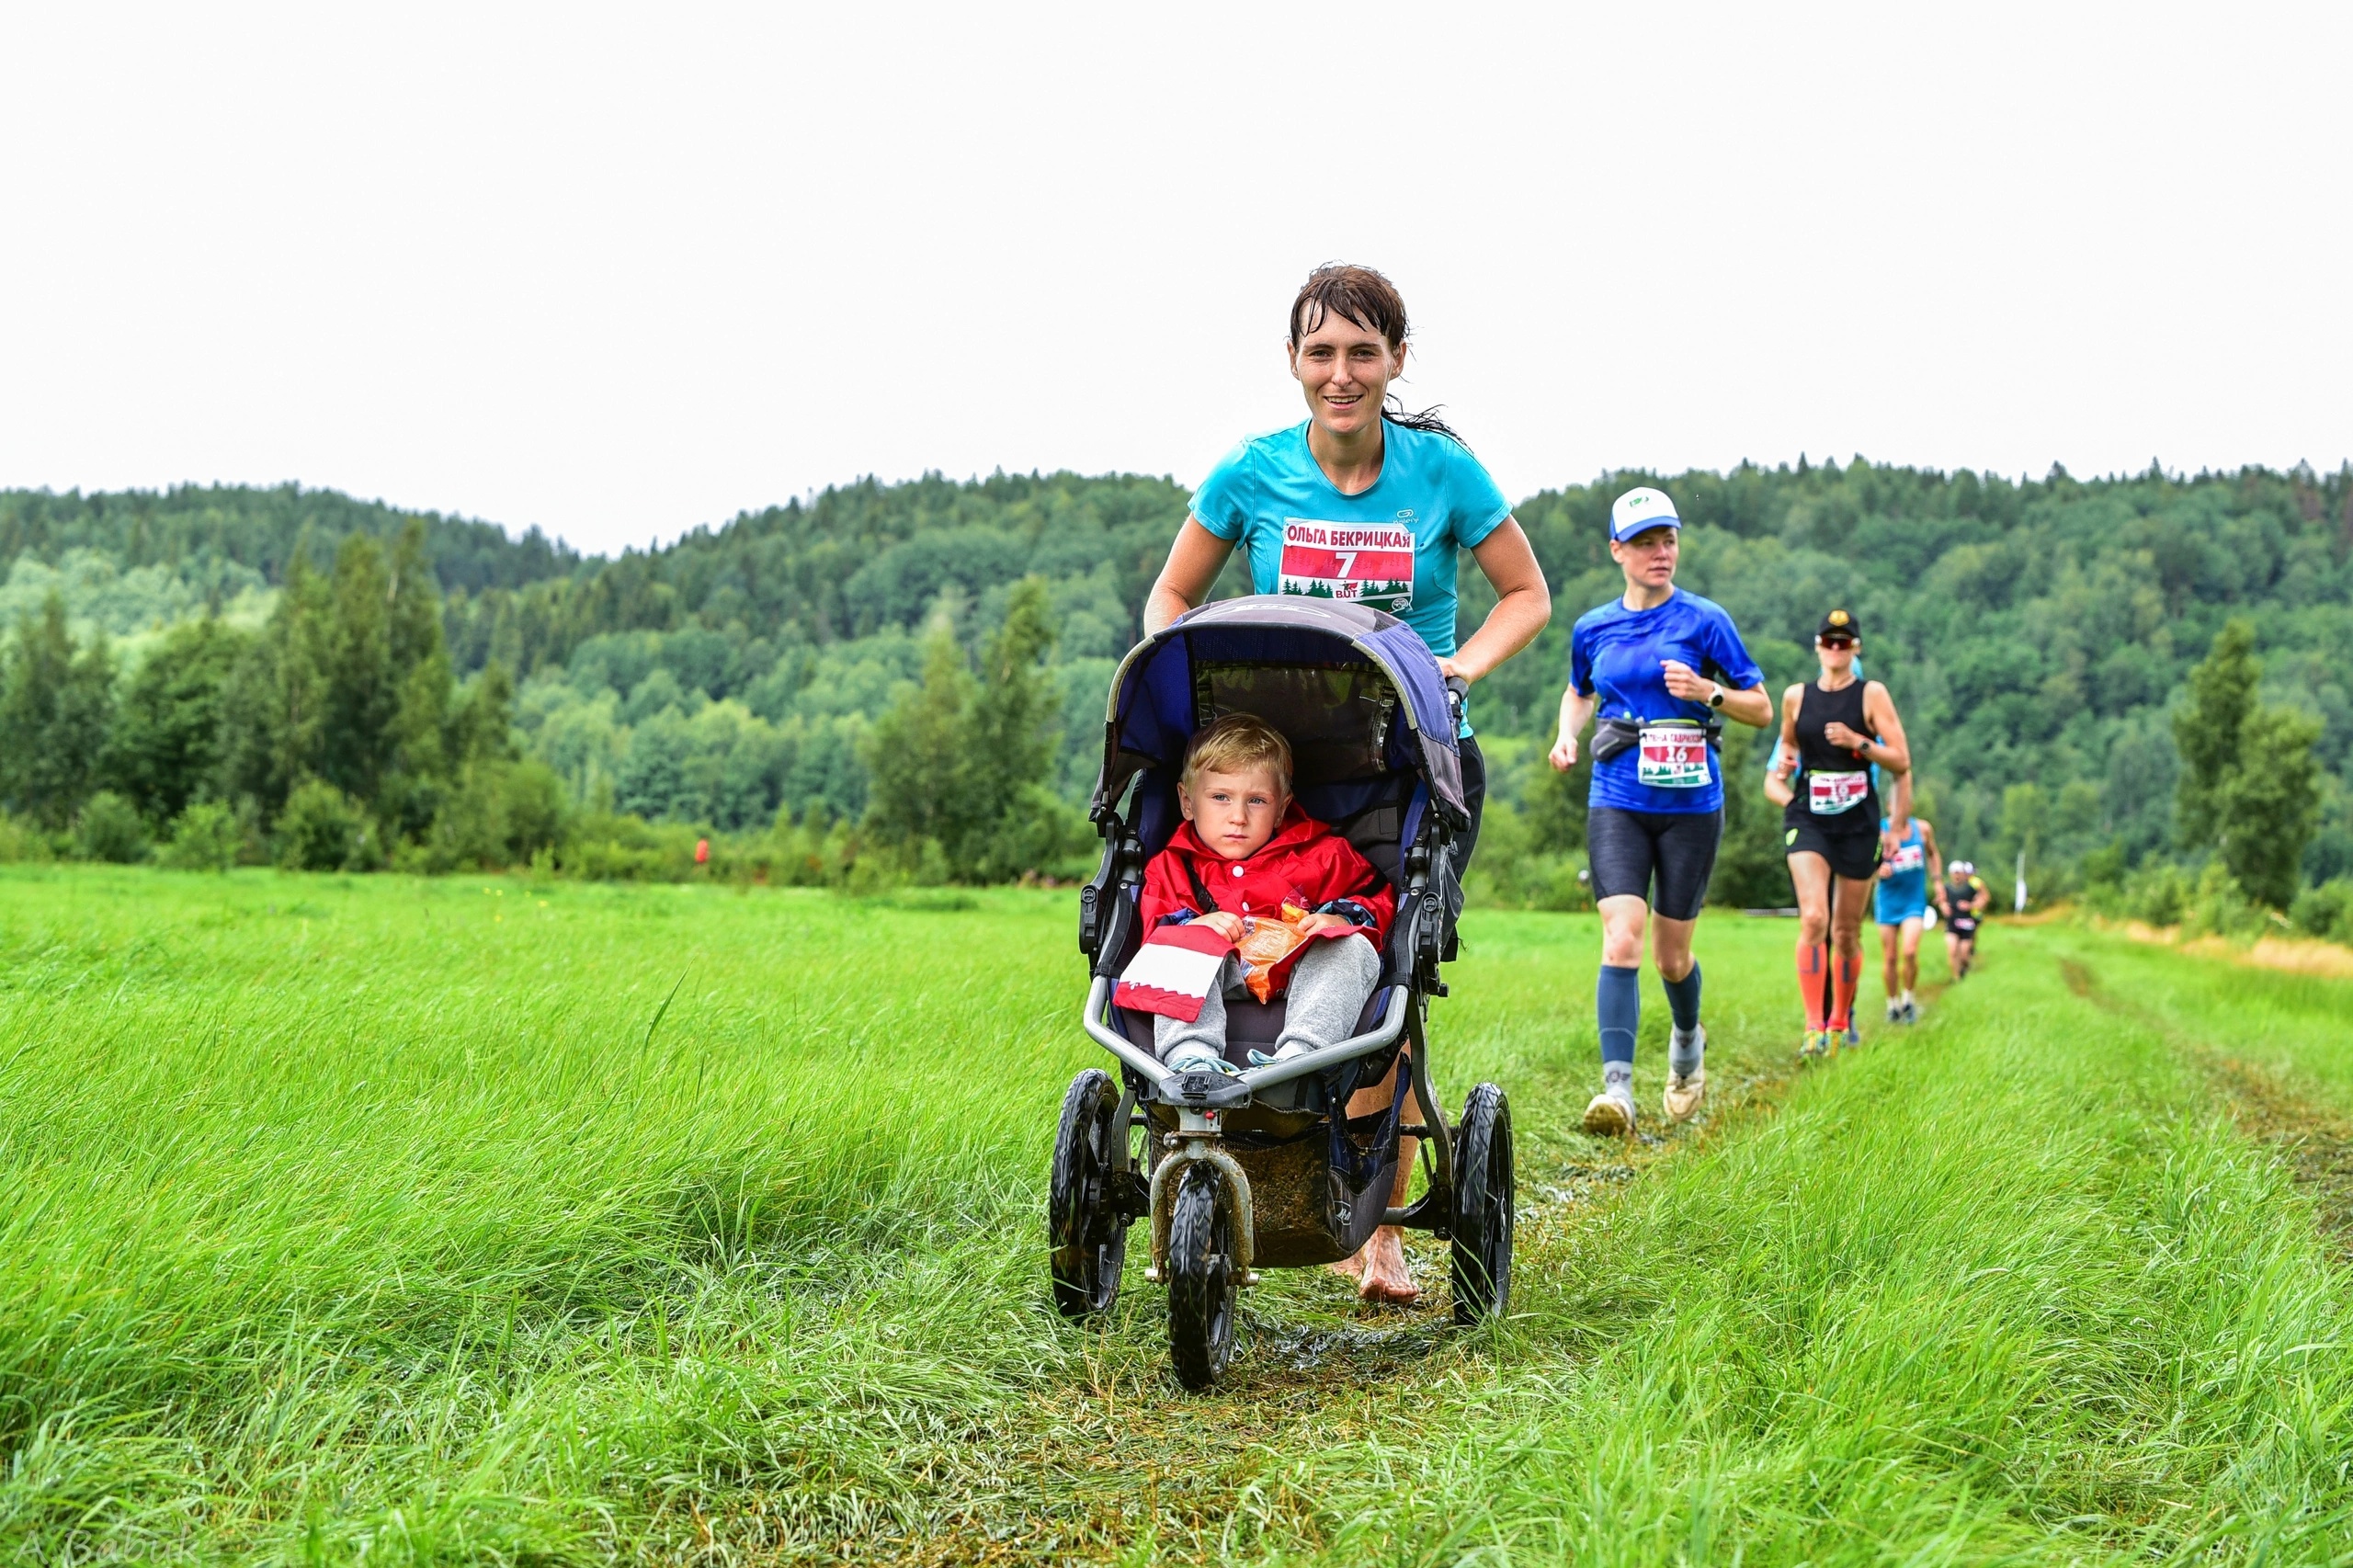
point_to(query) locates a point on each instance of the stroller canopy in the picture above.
(1357, 692)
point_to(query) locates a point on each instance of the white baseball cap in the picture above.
(1641, 507)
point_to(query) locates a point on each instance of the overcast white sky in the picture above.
(621, 271)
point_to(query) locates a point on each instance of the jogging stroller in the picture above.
(1268, 1169)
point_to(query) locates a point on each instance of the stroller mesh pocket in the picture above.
(1336, 717)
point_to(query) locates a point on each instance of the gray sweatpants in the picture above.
(1327, 991)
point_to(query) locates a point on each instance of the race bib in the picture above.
(1907, 857)
(1367, 564)
(1827, 794)
(1673, 757)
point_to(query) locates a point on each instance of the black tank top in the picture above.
(1817, 710)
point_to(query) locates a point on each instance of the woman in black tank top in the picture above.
(1834, 776)
(1834, 730)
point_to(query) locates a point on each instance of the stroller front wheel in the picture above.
(1084, 1218)
(1202, 1281)
(1482, 1207)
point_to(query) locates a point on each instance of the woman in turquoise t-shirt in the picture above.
(1365, 504)
(1360, 502)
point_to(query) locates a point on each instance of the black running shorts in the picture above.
(1854, 856)
(1963, 926)
(1631, 850)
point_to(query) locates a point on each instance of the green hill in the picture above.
(2035, 633)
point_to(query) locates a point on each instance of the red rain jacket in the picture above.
(1305, 864)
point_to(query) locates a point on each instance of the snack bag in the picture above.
(1263, 946)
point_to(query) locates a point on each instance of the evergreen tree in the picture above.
(166, 749)
(275, 705)
(55, 712)
(361, 688)
(2250, 784)
(1014, 724)
(916, 756)
(2269, 805)
(2206, 732)
(418, 757)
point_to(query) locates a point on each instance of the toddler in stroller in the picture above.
(1253, 894)
(1267, 1142)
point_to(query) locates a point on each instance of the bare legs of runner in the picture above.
(1819, 919)
(1899, 948)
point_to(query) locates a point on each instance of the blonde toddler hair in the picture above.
(1236, 743)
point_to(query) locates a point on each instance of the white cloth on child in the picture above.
(1327, 996)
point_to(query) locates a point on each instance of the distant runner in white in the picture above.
(1364, 502)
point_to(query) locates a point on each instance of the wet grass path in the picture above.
(384, 1221)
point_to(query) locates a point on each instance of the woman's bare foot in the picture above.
(1384, 1277)
(1352, 1265)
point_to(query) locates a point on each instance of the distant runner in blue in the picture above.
(1662, 669)
(1900, 904)
(1365, 502)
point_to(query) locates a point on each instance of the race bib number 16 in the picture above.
(1673, 757)
(1370, 563)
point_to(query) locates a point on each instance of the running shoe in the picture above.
(1854, 1035)
(1814, 1046)
(1686, 1090)
(1894, 1011)
(1684, 1093)
(1610, 1114)
(1911, 1012)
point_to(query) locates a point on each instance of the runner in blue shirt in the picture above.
(1900, 903)
(1662, 669)
(1364, 502)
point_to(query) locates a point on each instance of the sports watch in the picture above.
(1717, 700)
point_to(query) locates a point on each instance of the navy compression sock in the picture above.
(1617, 999)
(1683, 999)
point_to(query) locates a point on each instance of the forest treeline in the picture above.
(2039, 636)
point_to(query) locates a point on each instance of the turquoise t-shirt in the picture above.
(1391, 547)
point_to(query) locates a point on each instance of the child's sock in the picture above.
(1618, 1001)
(1812, 983)
(1683, 1000)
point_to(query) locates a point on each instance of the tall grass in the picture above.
(461, 1221)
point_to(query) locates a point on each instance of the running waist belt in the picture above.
(1615, 737)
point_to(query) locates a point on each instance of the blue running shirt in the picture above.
(1617, 652)
(1902, 893)
(1391, 547)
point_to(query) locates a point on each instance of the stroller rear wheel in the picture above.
(1482, 1207)
(1083, 1217)
(1202, 1281)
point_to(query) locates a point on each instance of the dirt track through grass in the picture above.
(382, 1221)
(2268, 1102)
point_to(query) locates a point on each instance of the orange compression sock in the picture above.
(1812, 983)
(1847, 969)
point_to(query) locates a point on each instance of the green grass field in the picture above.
(463, 1222)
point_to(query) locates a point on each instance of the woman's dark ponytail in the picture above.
(1426, 419)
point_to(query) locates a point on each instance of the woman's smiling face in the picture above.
(1345, 369)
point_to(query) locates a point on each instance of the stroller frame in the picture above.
(1209, 1231)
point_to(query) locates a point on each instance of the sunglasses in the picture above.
(1836, 642)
